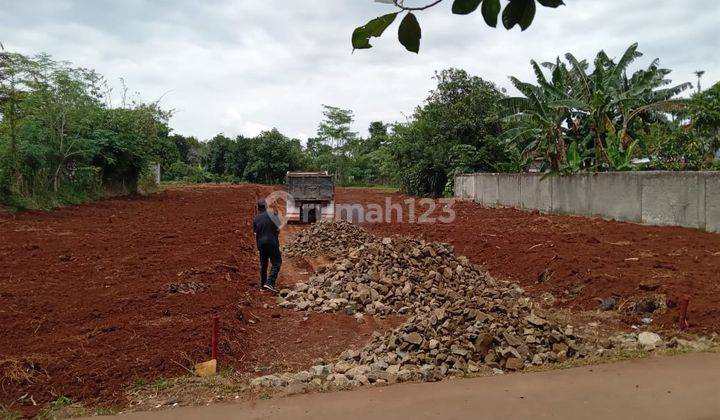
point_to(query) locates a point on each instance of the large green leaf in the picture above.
(551, 3)
(375, 28)
(519, 12)
(410, 33)
(465, 7)
(490, 11)
(512, 134)
(516, 104)
(627, 58)
(538, 72)
(526, 89)
(567, 103)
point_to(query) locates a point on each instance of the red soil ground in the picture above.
(578, 259)
(86, 309)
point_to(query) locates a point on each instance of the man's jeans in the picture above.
(269, 252)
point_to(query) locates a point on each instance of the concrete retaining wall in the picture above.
(690, 199)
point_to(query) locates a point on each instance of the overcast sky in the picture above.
(241, 66)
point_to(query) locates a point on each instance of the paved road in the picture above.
(681, 387)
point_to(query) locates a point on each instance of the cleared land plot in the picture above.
(97, 298)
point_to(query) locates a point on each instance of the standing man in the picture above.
(267, 231)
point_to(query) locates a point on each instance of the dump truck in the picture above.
(311, 197)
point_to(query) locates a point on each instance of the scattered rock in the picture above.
(699, 344)
(608, 304)
(459, 320)
(190, 287)
(320, 371)
(353, 373)
(339, 380)
(548, 299)
(414, 338)
(206, 369)
(649, 340)
(535, 320)
(646, 306)
(295, 388)
(267, 381)
(303, 376)
(513, 363)
(342, 367)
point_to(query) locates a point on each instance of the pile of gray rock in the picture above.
(329, 238)
(349, 372)
(459, 318)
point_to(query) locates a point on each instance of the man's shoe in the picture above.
(271, 288)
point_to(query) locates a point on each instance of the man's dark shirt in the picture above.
(266, 231)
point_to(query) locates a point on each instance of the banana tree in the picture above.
(613, 100)
(620, 155)
(541, 116)
(601, 105)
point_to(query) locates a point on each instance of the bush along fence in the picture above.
(689, 199)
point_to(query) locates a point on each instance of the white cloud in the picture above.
(242, 66)
(252, 129)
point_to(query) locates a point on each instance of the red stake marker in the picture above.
(684, 301)
(215, 327)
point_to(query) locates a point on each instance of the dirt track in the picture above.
(87, 311)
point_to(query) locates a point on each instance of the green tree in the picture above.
(190, 149)
(11, 69)
(378, 138)
(220, 155)
(60, 140)
(318, 155)
(703, 110)
(462, 110)
(542, 114)
(367, 157)
(166, 152)
(270, 156)
(670, 146)
(125, 142)
(335, 130)
(60, 107)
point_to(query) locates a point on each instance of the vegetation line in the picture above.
(62, 140)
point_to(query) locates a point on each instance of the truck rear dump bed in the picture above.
(312, 197)
(311, 186)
